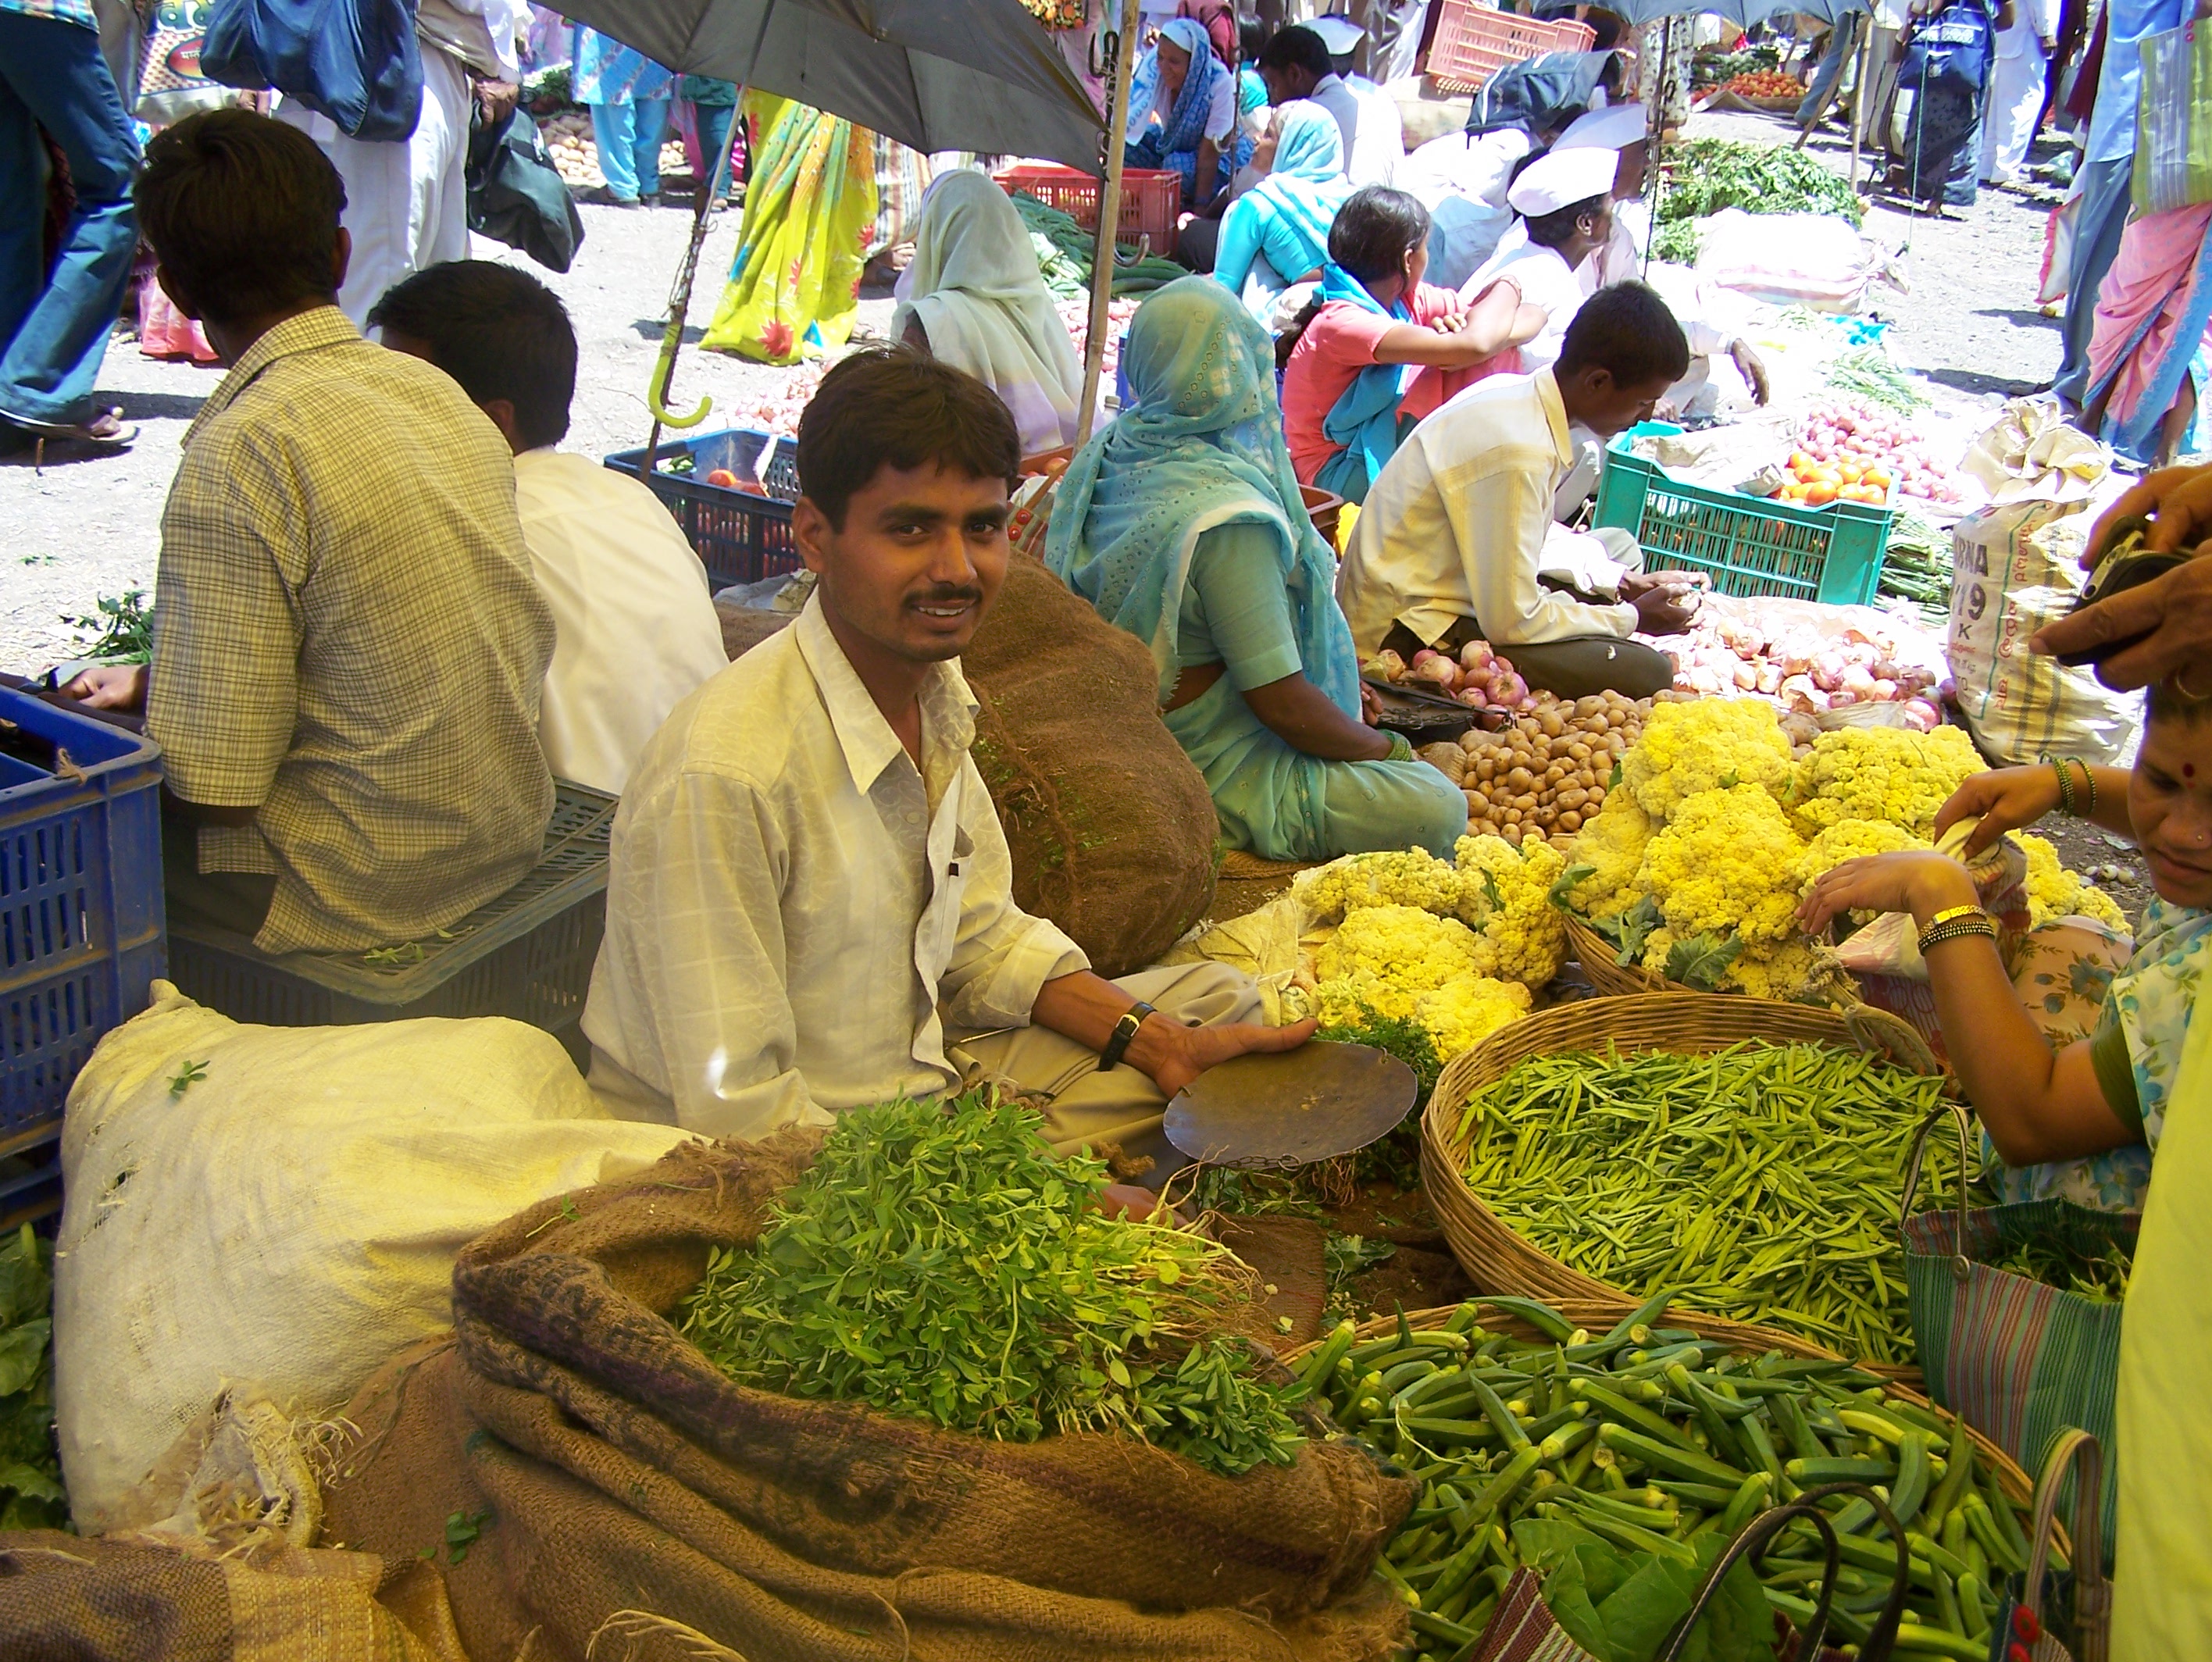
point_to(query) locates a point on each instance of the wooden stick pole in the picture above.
(1862, 95)
(1110, 218)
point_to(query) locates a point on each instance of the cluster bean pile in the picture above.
(1760, 1183)
(1619, 1465)
(940, 1263)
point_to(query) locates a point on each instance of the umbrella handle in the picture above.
(663, 370)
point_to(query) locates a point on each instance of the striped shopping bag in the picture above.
(2173, 120)
(2021, 1361)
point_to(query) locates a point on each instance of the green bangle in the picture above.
(2089, 810)
(1401, 747)
(2065, 785)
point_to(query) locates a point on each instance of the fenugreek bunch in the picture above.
(937, 1261)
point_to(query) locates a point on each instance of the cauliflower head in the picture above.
(1524, 928)
(2055, 892)
(1401, 877)
(1407, 948)
(1456, 1016)
(1613, 846)
(1726, 861)
(1708, 744)
(1799, 970)
(1889, 773)
(1851, 839)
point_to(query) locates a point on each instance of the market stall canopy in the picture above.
(1741, 12)
(937, 74)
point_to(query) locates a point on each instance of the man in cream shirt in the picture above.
(811, 906)
(634, 626)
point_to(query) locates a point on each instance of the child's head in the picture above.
(2170, 797)
(1379, 234)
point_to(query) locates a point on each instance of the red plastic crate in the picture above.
(1474, 42)
(1151, 200)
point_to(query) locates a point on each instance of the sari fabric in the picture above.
(1277, 231)
(1173, 145)
(810, 215)
(976, 290)
(2153, 328)
(1366, 419)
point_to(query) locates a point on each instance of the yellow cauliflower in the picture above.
(1522, 925)
(1613, 846)
(1851, 839)
(1708, 744)
(1889, 773)
(1411, 877)
(2055, 892)
(1794, 970)
(1727, 860)
(1403, 961)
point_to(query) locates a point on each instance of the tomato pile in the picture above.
(1850, 451)
(1764, 83)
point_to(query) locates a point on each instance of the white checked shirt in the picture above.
(796, 913)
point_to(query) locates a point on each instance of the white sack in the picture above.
(285, 1223)
(1816, 260)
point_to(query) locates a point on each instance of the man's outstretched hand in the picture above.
(1174, 1054)
(2172, 613)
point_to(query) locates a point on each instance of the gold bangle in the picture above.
(1952, 913)
(1958, 930)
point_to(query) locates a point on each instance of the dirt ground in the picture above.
(89, 525)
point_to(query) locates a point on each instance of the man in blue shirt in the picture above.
(2107, 174)
(53, 331)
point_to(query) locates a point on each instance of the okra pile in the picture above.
(937, 1261)
(1760, 1183)
(1619, 1465)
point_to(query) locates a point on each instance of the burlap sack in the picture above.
(1110, 825)
(618, 1480)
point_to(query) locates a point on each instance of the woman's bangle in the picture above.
(2065, 785)
(1401, 747)
(2089, 779)
(1956, 923)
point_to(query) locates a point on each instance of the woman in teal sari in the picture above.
(1183, 523)
(1277, 231)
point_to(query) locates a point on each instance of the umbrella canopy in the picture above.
(937, 74)
(1741, 12)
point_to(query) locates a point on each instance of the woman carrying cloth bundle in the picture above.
(1277, 231)
(974, 299)
(809, 212)
(1195, 103)
(1183, 523)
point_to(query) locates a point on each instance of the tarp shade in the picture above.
(937, 74)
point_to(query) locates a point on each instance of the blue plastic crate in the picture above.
(80, 924)
(739, 536)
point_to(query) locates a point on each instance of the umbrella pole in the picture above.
(1860, 95)
(1110, 218)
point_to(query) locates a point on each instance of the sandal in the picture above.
(104, 429)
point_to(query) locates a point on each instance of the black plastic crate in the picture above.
(740, 537)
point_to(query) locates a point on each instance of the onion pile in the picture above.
(1478, 677)
(1076, 314)
(1850, 435)
(1547, 771)
(1801, 668)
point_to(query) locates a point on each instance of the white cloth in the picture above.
(407, 202)
(1461, 179)
(975, 288)
(1544, 279)
(1614, 127)
(635, 629)
(2017, 84)
(482, 34)
(1379, 144)
(1457, 525)
(1339, 33)
(793, 902)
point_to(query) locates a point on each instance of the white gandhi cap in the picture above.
(1559, 179)
(1339, 34)
(1614, 129)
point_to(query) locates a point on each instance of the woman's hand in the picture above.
(2004, 799)
(1923, 884)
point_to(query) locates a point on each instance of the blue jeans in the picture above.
(715, 121)
(55, 330)
(628, 137)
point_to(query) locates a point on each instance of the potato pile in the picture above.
(1547, 770)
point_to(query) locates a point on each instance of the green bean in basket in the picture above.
(1760, 1183)
(1620, 1464)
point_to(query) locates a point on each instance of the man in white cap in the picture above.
(1380, 144)
(1564, 198)
(1621, 131)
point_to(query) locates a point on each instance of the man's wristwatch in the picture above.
(1117, 1042)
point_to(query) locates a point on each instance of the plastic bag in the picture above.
(1814, 260)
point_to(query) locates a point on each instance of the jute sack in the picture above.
(1111, 827)
(616, 1479)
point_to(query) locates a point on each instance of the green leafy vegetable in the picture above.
(1631, 929)
(1708, 174)
(937, 1261)
(124, 628)
(31, 1495)
(1700, 961)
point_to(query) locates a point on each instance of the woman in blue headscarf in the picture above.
(1277, 231)
(1194, 131)
(1183, 523)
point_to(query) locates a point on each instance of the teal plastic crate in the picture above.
(1748, 546)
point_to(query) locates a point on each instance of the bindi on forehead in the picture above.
(2189, 770)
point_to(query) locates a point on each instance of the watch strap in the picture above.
(1117, 1042)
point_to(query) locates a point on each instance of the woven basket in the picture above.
(1597, 956)
(1497, 1259)
(1239, 866)
(1599, 1315)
